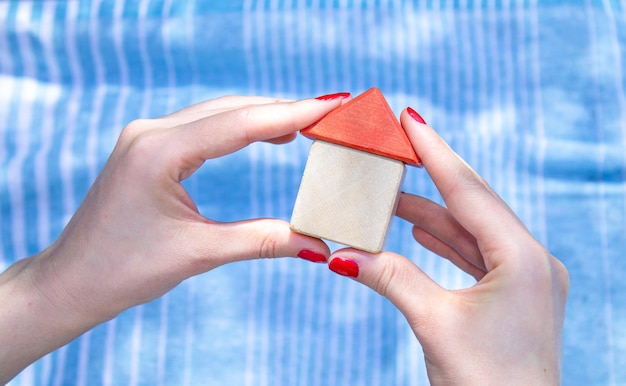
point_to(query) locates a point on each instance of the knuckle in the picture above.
(267, 246)
(140, 145)
(136, 134)
(245, 121)
(136, 127)
(143, 145)
(390, 273)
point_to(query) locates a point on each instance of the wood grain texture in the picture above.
(366, 123)
(347, 196)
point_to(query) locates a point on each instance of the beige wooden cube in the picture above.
(348, 196)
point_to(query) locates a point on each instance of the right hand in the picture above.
(506, 329)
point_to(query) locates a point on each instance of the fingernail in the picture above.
(330, 97)
(312, 256)
(413, 114)
(344, 267)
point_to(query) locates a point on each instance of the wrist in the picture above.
(45, 305)
(32, 323)
(471, 370)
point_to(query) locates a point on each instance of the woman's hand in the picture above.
(506, 329)
(138, 233)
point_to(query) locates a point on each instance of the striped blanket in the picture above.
(530, 93)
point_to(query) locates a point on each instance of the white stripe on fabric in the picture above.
(622, 98)
(508, 99)
(491, 71)
(619, 80)
(189, 332)
(540, 203)
(301, 38)
(144, 55)
(24, 88)
(264, 60)
(61, 360)
(82, 367)
(247, 18)
(479, 56)
(375, 49)
(124, 87)
(162, 340)
(168, 31)
(601, 197)
(136, 336)
(317, 28)
(109, 349)
(51, 97)
(6, 66)
(273, 17)
(67, 158)
(95, 26)
(525, 114)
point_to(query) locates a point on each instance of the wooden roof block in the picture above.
(365, 123)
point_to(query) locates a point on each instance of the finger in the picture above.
(469, 198)
(283, 139)
(232, 130)
(439, 224)
(436, 245)
(225, 102)
(393, 276)
(213, 107)
(221, 243)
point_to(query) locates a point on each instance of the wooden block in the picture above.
(347, 196)
(366, 123)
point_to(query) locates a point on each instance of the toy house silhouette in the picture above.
(352, 179)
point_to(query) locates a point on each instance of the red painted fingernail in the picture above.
(330, 97)
(312, 256)
(344, 267)
(413, 114)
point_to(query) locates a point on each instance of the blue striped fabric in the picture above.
(531, 94)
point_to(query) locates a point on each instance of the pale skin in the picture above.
(504, 330)
(138, 234)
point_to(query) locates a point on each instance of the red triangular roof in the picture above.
(365, 123)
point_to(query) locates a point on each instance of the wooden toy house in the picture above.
(353, 176)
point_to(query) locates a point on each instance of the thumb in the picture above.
(259, 238)
(393, 276)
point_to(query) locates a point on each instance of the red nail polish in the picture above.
(312, 256)
(330, 97)
(413, 114)
(344, 267)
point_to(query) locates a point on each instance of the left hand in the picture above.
(138, 233)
